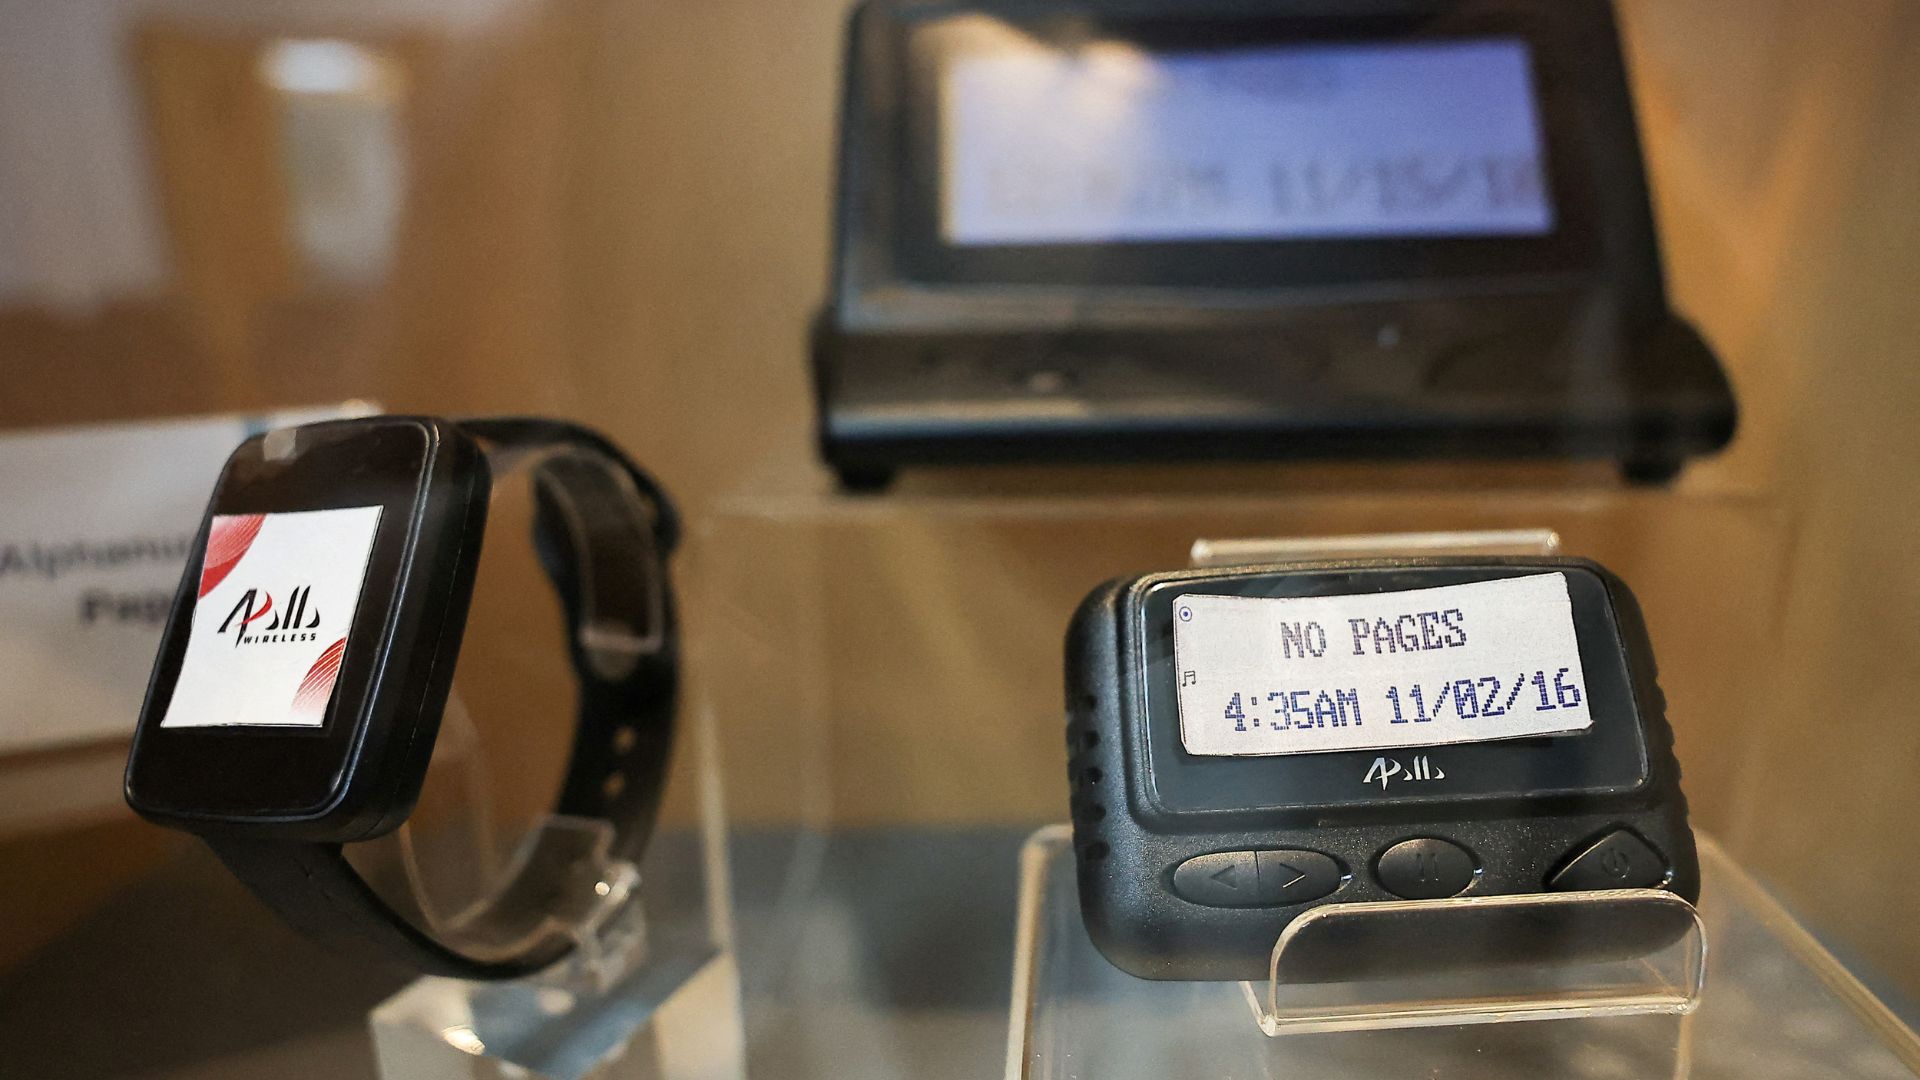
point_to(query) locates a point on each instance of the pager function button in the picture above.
(1425, 869)
(1223, 879)
(1295, 877)
(1618, 860)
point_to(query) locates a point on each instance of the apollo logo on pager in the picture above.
(1385, 770)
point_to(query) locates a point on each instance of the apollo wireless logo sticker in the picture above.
(272, 617)
(294, 621)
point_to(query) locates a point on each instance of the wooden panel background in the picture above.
(619, 213)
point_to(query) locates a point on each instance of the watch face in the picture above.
(303, 670)
(273, 614)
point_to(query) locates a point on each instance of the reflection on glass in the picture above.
(341, 148)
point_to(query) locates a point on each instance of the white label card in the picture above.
(277, 598)
(100, 520)
(1454, 664)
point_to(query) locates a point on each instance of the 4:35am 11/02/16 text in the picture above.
(1465, 698)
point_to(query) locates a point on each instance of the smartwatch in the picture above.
(1250, 743)
(299, 685)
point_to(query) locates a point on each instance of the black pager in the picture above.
(1249, 743)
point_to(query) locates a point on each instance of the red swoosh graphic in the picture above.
(317, 688)
(228, 540)
(262, 611)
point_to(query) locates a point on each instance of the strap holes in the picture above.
(624, 738)
(613, 785)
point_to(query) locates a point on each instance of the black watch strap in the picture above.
(605, 553)
(314, 889)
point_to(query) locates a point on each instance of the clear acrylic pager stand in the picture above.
(1380, 942)
(649, 987)
(1389, 948)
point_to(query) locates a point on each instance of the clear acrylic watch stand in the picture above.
(1059, 987)
(649, 987)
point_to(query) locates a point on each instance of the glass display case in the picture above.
(631, 215)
